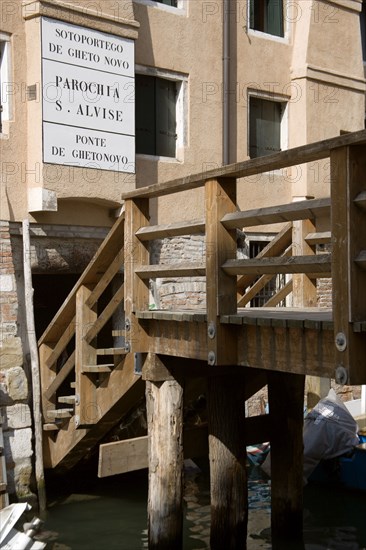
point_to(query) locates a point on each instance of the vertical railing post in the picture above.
(225, 392)
(136, 290)
(86, 407)
(348, 189)
(305, 295)
(47, 377)
(220, 288)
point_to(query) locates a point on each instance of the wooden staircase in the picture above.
(87, 376)
(89, 352)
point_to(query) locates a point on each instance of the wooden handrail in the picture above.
(192, 269)
(319, 263)
(298, 155)
(91, 275)
(301, 210)
(152, 232)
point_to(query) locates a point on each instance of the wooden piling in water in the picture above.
(229, 490)
(286, 410)
(164, 402)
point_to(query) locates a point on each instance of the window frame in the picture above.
(180, 110)
(180, 9)
(266, 35)
(284, 100)
(363, 31)
(5, 71)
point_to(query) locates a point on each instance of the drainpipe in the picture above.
(226, 81)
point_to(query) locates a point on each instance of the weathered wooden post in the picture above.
(226, 397)
(286, 411)
(164, 403)
(164, 398)
(348, 191)
(229, 491)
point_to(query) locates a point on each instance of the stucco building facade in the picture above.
(179, 86)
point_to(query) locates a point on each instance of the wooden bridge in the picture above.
(105, 336)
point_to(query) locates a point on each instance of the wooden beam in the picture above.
(280, 295)
(128, 455)
(124, 456)
(164, 231)
(321, 263)
(322, 237)
(192, 269)
(254, 289)
(290, 157)
(301, 210)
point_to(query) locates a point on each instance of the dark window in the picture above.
(363, 29)
(264, 126)
(267, 16)
(2, 79)
(155, 116)
(169, 2)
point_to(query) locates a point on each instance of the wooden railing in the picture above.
(233, 282)
(81, 336)
(79, 349)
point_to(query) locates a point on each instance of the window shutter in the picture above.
(265, 127)
(363, 29)
(145, 114)
(165, 117)
(274, 17)
(251, 15)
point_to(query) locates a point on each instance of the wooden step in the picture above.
(73, 385)
(60, 413)
(98, 368)
(120, 332)
(190, 269)
(322, 237)
(3, 487)
(360, 200)
(67, 399)
(111, 351)
(51, 427)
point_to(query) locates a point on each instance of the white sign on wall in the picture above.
(88, 97)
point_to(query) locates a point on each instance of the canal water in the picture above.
(86, 513)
